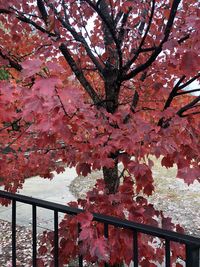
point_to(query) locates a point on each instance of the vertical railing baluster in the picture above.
(106, 230)
(13, 233)
(167, 253)
(192, 244)
(192, 256)
(80, 257)
(135, 248)
(56, 239)
(34, 235)
(106, 236)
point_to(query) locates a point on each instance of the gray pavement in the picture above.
(55, 190)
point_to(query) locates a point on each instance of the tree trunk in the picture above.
(112, 88)
(111, 179)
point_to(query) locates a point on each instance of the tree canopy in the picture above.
(96, 83)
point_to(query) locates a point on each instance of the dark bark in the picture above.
(111, 179)
(79, 74)
(158, 49)
(42, 10)
(112, 86)
(12, 63)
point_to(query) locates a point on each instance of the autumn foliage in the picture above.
(96, 84)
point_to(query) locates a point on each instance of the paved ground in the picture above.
(56, 190)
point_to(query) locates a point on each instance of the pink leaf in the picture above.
(31, 67)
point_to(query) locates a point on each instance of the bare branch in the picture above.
(79, 74)
(190, 81)
(157, 51)
(4, 11)
(135, 101)
(22, 17)
(109, 27)
(181, 40)
(188, 106)
(189, 114)
(42, 10)
(189, 91)
(131, 61)
(173, 92)
(79, 38)
(12, 63)
(122, 31)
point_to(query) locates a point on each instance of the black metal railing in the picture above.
(192, 244)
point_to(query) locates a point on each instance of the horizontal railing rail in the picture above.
(192, 243)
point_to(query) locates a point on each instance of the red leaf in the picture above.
(85, 219)
(83, 168)
(42, 250)
(87, 234)
(190, 62)
(189, 175)
(99, 249)
(167, 223)
(40, 263)
(30, 67)
(167, 162)
(170, 45)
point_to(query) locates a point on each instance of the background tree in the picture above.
(98, 83)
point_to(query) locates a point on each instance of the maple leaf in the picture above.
(94, 97)
(170, 45)
(83, 168)
(189, 175)
(190, 62)
(167, 162)
(31, 67)
(167, 223)
(99, 249)
(42, 250)
(85, 219)
(87, 234)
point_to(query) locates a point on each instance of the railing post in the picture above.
(80, 257)
(106, 236)
(167, 253)
(192, 256)
(13, 233)
(34, 235)
(56, 245)
(135, 248)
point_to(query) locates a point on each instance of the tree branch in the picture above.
(131, 61)
(12, 63)
(122, 31)
(79, 74)
(109, 27)
(22, 17)
(193, 113)
(188, 106)
(173, 93)
(4, 11)
(133, 105)
(79, 38)
(189, 91)
(181, 40)
(157, 51)
(190, 81)
(42, 10)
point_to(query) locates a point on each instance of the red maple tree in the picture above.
(98, 83)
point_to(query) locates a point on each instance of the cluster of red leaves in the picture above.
(88, 240)
(54, 116)
(56, 123)
(45, 116)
